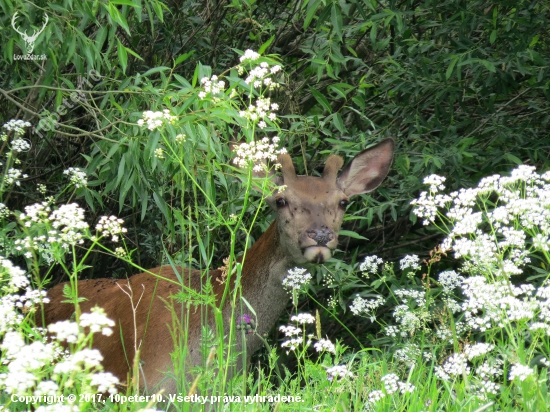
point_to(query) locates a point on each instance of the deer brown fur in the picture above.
(309, 210)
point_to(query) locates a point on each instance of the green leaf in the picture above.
(322, 100)
(451, 67)
(183, 57)
(493, 36)
(312, 7)
(351, 234)
(122, 55)
(513, 158)
(339, 123)
(264, 46)
(336, 20)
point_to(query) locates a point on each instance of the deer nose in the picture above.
(321, 236)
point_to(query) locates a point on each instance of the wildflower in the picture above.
(303, 318)
(338, 371)
(12, 176)
(450, 280)
(77, 177)
(249, 55)
(361, 306)
(20, 145)
(257, 152)
(159, 153)
(324, 345)
(155, 120)
(477, 350)
(390, 382)
(246, 323)
(111, 225)
(65, 331)
(211, 86)
(371, 264)
(17, 126)
(105, 382)
(97, 321)
(375, 396)
(296, 279)
(520, 371)
(410, 261)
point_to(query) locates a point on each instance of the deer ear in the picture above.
(367, 170)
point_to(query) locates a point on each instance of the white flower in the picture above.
(249, 55)
(520, 371)
(77, 176)
(105, 382)
(339, 371)
(65, 331)
(324, 345)
(303, 318)
(410, 261)
(97, 321)
(110, 226)
(370, 264)
(155, 120)
(296, 279)
(362, 306)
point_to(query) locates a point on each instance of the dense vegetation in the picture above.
(462, 86)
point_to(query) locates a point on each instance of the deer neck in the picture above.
(265, 266)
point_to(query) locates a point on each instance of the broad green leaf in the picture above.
(322, 100)
(122, 55)
(351, 234)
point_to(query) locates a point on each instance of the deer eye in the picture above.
(343, 203)
(280, 202)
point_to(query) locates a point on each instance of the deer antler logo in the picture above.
(29, 40)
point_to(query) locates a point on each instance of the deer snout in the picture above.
(318, 244)
(321, 236)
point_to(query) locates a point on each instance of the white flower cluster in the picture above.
(392, 384)
(4, 211)
(110, 226)
(449, 281)
(493, 237)
(296, 279)
(13, 280)
(249, 55)
(408, 355)
(155, 120)
(211, 86)
(339, 371)
(62, 227)
(17, 126)
(263, 110)
(477, 350)
(13, 176)
(361, 306)
(260, 75)
(371, 264)
(324, 345)
(97, 321)
(65, 331)
(77, 177)
(257, 153)
(410, 262)
(455, 365)
(520, 372)
(499, 303)
(297, 338)
(24, 362)
(20, 145)
(302, 318)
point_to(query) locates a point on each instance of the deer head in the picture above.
(311, 209)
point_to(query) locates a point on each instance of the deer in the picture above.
(309, 213)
